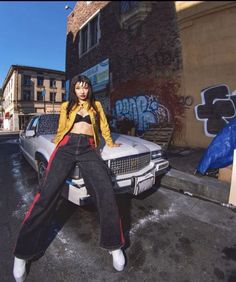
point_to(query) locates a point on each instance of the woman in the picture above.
(76, 139)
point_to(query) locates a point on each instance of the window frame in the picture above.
(27, 80)
(52, 83)
(23, 95)
(39, 94)
(128, 6)
(40, 78)
(87, 25)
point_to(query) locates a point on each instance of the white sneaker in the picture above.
(118, 259)
(19, 269)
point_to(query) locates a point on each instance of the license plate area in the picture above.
(143, 183)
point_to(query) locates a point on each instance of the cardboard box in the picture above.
(225, 173)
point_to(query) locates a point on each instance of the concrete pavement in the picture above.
(183, 162)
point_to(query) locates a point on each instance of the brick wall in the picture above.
(145, 63)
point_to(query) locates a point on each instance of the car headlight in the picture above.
(156, 154)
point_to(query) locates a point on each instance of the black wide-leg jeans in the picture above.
(73, 148)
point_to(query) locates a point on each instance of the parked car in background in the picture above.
(134, 165)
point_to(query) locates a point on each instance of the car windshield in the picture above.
(48, 124)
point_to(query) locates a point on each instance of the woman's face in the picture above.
(81, 90)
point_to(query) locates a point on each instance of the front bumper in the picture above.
(133, 183)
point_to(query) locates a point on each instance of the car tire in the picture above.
(42, 166)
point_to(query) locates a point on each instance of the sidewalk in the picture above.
(8, 132)
(183, 163)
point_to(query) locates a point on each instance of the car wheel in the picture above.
(42, 166)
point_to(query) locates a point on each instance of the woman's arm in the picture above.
(62, 122)
(104, 126)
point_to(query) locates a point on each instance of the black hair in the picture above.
(73, 99)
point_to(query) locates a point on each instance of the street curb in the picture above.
(9, 133)
(206, 187)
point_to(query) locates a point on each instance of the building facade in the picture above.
(31, 90)
(208, 86)
(157, 62)
(1, 109)
(137, 44)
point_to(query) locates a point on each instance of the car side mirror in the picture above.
(30, 133)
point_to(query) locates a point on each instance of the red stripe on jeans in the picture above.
(91, 142)
(122, 234)
(63, 142)
(32, 206)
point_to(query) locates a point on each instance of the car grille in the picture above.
(129, 164)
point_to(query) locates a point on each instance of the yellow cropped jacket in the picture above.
(98, 121)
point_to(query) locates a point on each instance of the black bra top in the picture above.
(80, 118)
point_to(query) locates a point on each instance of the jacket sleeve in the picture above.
(104, 126)
(61, 124)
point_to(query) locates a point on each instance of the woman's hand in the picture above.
(116, 144)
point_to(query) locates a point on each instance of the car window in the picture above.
(32, 124)
(48, 124)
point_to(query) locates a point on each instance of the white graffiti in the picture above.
(218, 107)
(143, 110)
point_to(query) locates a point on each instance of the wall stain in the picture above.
(232, 277)
(230, 253)
(137, 254)
(175, 257)
(219, 273)
(184, 246)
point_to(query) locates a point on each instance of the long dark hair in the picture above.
(73, 99)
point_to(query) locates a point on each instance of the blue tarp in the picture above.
(221, 150)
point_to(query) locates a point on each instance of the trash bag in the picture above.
(221, 150)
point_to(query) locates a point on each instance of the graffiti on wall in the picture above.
(217, 109)
(186, 101)
(143, 110)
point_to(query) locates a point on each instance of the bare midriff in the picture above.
(82, 127)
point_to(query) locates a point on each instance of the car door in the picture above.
(29, 142)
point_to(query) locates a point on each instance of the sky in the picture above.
(33, 33)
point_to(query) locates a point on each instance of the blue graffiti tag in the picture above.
(143, 110)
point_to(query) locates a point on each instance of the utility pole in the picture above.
(54, 96)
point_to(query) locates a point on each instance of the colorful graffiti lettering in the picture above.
(143, 110)
(218, 108)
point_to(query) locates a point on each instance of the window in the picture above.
(89, 34)
(27, 80)
(32, 124)
(84, 39)
(63, 84)
(26, 95)
(93, 32)
(40, 80)
(126, 6)
(133, 13)
(39, 96)
(52, 96)
(52, 83)
(64, 98)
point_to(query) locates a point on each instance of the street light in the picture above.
(68, 7)
(44, 97)
(54, 95)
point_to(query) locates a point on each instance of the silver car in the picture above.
(134, 165)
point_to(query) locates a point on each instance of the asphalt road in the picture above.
(169, 236)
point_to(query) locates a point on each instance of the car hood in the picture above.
(130, 145)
